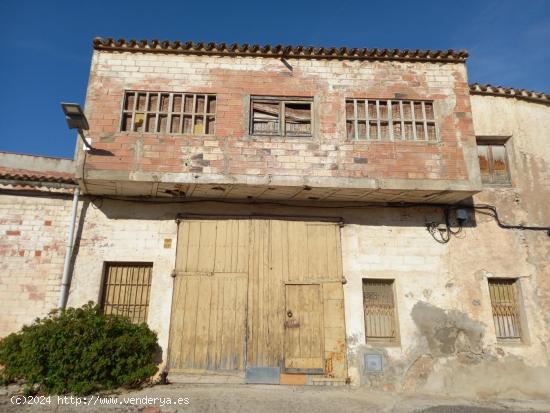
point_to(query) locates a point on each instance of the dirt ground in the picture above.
(261, 398)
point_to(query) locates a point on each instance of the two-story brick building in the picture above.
(311, 215)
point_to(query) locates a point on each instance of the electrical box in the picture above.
(373, 363)
(461, 214)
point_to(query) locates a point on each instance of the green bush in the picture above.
(79, 351)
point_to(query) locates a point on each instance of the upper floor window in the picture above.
(171, 113)
(280, 117)
(386, 120)
(493, 163)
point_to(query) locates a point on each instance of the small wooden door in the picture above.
(303, 329)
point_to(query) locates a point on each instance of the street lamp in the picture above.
(76, 120)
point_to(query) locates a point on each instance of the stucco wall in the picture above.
(119, 231)
(447, 336)
(448, 341)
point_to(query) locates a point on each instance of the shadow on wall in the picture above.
(370, 215)
(78, 237)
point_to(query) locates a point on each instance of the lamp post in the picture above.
(76, 120)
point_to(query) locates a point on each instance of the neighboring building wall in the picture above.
(35, 205)
(32, 250)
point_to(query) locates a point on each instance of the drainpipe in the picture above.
(68, 254)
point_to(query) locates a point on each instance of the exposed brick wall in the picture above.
(233, 151)
(33, 232)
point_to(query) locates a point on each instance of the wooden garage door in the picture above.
(235, 281)
(208, 322)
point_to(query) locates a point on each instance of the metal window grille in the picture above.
(493, 163)
(389, 120)
(505, 306)
(279, 117)
(169, 113)
(379, 308)
(126, 290)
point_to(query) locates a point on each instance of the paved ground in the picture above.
(265, 399)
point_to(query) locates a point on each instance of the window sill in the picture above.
(506, 343)
(385, 142)
(178, 135)
(498, 186)
(280, 138)
(372, 343)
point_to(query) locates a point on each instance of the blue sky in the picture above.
(45, 46)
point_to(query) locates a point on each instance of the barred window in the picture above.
(493, 163)
(280, 117)
(386, 120)
(505, 307)
(379, 309)
(126, 290)
(169, 113)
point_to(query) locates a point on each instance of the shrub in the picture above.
(79, 351)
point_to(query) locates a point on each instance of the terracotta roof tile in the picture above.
(481, 89)
(299, 51)
(15, 174)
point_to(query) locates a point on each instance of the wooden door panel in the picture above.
(303, 328)
(209, 305)
(208, 322)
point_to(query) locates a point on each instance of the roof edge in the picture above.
(279, 51)
(521, 94)
(42, 179)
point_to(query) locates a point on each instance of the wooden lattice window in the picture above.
(280, 117)
(506, 311)
(493, 163)
(379, 309)
(169, 113)
(126, 290)
(387, 120)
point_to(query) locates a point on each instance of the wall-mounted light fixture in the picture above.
(76, 119)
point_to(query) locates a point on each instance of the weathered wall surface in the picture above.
(231, 151)
(526, 126)
(447, 335)
(33, 240)
(448, 340)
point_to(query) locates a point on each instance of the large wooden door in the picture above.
(304, 328)
(236, 280)
(208, 321)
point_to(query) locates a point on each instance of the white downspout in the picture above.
(64, 293)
